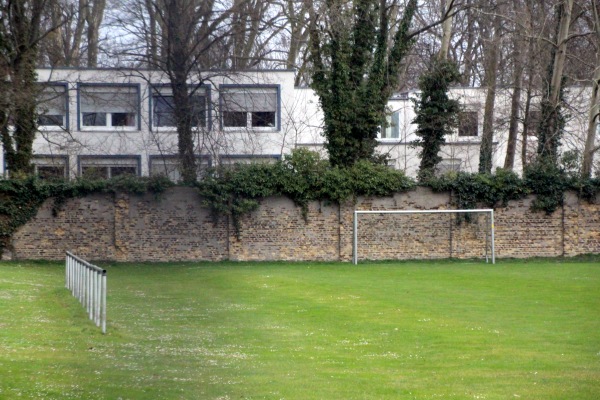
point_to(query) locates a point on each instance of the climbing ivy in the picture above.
(436, 114)
(491, 190)
(20, 199)
(549, 182)
(589, 189)
(303, 176)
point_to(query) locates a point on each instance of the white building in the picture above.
(108, 122)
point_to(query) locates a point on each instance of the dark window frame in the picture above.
(136, 112)
(253, 120)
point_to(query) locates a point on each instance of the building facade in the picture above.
(108, 122)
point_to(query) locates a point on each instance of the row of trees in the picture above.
(354, 54)
(536, 48)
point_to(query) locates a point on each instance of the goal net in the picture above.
(442, 235)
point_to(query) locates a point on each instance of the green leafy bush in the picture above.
(302, 176)
(589, 189)
(548, 182)
(235, 190)
(489, 189)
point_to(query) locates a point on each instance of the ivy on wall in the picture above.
(545, 180)
(469, 190)
(20, 199)
(303, 177)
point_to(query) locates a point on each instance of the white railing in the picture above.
(87, 283)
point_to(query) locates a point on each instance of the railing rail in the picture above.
(87, 283)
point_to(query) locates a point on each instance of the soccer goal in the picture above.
(487, 211)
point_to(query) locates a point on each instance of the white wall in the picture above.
(301, 123)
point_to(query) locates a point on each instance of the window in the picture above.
(168, 165)
(235, 119)
(392, 130)
(250, 107)
(163, 107)
(468, 123)
(50, 167)
(109, 106)
(52, 106)
(232, 159)
(99, 167)
(448, 165)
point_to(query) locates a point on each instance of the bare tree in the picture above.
(446, 29)
(94, 13)
(75, 40)
(491, 33)
(551, 127)
(298, 16)
(192, 42)
(594, 112)
(518, 41)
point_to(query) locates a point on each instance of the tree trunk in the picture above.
(491, 72)
(592, 131)
(594, 114)
(55, 44)
(152, 34)
(470, 48)
(526, 125)
(94, 16)
(24, 20)
(298, 31)
(561, 51)
(179, 22)
(73, 56)
(515, 106)
(446, 31)
(551, 129)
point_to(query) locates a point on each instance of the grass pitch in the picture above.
(424, 330)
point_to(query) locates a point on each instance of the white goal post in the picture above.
(488, 211)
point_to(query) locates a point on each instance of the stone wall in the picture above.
(176, 227)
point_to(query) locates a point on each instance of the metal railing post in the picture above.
(87, 284)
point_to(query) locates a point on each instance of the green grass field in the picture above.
(419, 330)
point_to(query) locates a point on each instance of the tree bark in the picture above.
(179, 19)
(594, 113)
(491, 72)
(551, 130)
(526, 125)
(94, 16)
(515, 106)
(446, 31)
(592, 130)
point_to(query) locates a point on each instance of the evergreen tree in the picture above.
(19, 37)
(437, 114)
(355, 72)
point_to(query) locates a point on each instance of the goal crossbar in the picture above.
(358, 212)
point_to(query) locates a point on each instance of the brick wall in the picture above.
(177, 227)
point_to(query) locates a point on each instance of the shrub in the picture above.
(548, 182)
